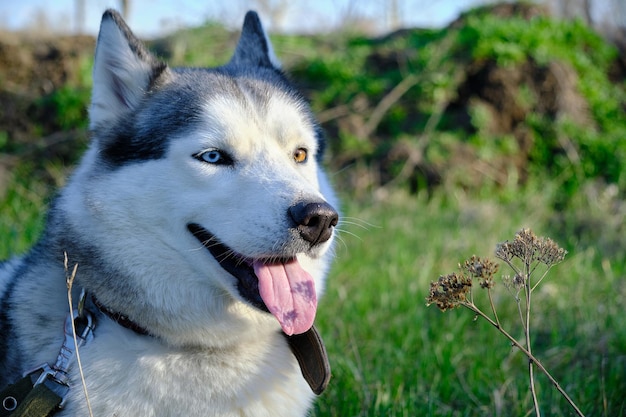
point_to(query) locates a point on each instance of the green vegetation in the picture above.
(443, 143)
(573, 130)
(526, 255)
(22, 206)
(65, 108)
(392, 355)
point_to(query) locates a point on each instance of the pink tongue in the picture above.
(289, 293)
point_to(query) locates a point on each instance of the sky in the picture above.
(151, 18)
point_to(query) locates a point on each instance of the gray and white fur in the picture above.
(183, 163)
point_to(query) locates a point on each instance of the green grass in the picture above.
(22, 207)
(393, 355)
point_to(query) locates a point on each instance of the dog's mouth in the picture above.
(278, 285)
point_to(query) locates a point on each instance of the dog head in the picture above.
(203, 190)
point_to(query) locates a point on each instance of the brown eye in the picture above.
(300, 155)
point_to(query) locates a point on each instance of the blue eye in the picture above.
(214, 156)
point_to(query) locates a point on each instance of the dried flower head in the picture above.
(529, 248)
(449, 291)
(504, 251)
(516, 282)
(452, 290)
(483, 269)
(549, 252)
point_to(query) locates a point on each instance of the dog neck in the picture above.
(120, 318)
(308, 348)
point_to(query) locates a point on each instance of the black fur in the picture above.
(10, 357)
(252, 49)
(129, 139)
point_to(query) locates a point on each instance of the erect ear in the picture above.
(254, 47)
(123, 71)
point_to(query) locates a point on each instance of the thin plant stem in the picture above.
(531, 374)
(530, 356)
(521, 314)
(493, 307)
(512, 266)
(541, 279)
(455, 289)
(70, 282)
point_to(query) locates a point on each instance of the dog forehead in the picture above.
(248, 115)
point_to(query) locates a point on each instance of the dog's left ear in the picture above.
(124, 71)
(254, 47)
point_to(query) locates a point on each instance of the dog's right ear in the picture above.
(254, 48)
(123, 71)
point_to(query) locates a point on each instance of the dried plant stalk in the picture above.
(454, 290)
(69, 279)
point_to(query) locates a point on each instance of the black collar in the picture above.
(119, 318)
(308, 348)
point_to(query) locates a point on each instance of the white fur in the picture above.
(239, 364)
(157, 380)
(211, 353)
(117, 61)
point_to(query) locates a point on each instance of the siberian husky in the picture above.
(202, 228)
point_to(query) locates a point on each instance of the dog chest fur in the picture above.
(259, 378)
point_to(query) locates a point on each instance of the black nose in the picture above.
(315, 221)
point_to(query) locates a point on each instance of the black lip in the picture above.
(233, 263)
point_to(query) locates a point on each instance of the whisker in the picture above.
(206, 243)
(343, 243)
(346, 223)
(347, 232)
(339, 171)
(358, 222)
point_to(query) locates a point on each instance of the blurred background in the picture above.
(156, 18)
(451, 125)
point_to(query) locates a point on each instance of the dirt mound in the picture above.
(30, 65)
(524, 10)
(392, 119)
(32, 69)
(550, 91)
(491, 121)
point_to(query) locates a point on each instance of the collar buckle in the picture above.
(56, 377)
